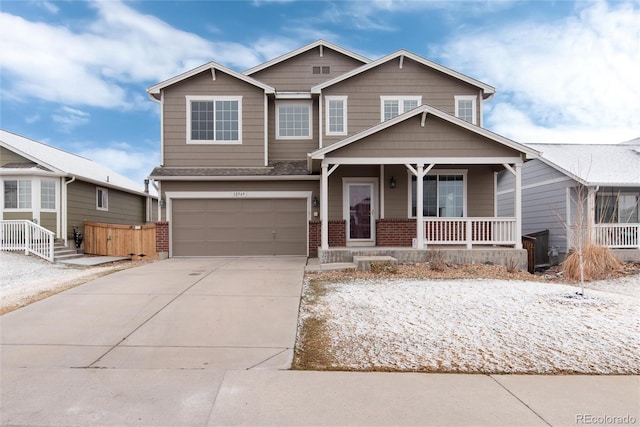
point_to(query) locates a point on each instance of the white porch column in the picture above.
(518, 205)
(324, 209)
(419, 203)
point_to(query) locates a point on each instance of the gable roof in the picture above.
(303, 49)
(595, 164)
(154, 91)
(62, 163)
(487, 90)
(426, 109)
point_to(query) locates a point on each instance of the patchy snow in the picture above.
(479, 325)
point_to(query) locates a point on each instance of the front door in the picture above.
(359, 213)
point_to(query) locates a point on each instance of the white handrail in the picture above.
(27, 236)
(469, 231)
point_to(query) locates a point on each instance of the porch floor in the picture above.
(453, 254)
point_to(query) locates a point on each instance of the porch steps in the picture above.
(313, 265)
(363, 263)
(62, 252)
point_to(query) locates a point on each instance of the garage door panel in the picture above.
(239, 227)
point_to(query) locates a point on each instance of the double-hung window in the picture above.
(391, 106)
(336, 115)
(466, 108)
(17, 194)
(617, 208)
(214, 119)
(443, 195)
(47, 194)
(293, 120)
(102, 199)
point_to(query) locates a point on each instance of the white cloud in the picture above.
(97, 64)
(573, 79)
(69, 118)
(124, 159)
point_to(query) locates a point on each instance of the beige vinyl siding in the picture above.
(8, 215)
(291, 149)
(177, 153)
(123, 208)
(295, 74)
(438, 138)
(49, 220)
(364, 90)
(8, 156)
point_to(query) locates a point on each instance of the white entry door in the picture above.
(360, 213)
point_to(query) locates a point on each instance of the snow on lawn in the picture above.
(479, 326)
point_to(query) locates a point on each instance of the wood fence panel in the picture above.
(135, 241)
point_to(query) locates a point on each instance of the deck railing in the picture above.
(618, 236)
(470, 231)
(27, 236)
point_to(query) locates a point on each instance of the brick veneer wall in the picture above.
(395, 232)
(162, 237)
(337, 235)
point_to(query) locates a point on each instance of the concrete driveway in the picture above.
(149, 345)
(207, 341)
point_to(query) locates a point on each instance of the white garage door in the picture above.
(239, 227)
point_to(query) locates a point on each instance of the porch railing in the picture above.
(618, 236)
(27, 236)
(470, 231)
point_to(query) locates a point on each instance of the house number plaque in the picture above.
(239, 194)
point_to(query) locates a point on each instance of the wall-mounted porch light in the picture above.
(162, 203)
(392, 183)
(315, 202)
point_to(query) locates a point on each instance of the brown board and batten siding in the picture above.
(177, 153)
(123, 208)
(296, 74)
(413, 79)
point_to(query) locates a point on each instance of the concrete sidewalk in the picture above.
(207, 341)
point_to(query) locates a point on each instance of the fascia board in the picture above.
(155, 89)
(303, 49)
(487, 89)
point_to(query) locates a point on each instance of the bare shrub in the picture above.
(384, 267)
(513, 264)
(437, 260)
(595, 262)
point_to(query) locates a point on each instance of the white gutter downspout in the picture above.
(64, 209)
(153, 182)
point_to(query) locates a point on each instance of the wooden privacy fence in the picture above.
(135, 241)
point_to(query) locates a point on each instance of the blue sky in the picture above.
(74, 74)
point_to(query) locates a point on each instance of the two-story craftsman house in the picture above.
(323, 151)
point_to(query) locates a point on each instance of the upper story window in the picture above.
(214, 119)
(391, 106)
(47, 194)
(102, 199)
(17, 194)
(336, 113)
(293, 120)
(466, 108)
(443, 195)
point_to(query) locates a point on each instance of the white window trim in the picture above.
(435, 172)
(474, 109)
(400, 99)
(105, 193)
(288, 102)
(328, 99)
(213, 99)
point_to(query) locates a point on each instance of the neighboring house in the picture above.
(58, 190)
(605, 177)
(322, 150)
